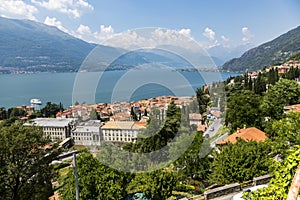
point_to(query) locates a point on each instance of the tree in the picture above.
(94, 115)
(283, 174)
(25, 172)
(240, 162)
(273, 76)
(203, 99)
(50, 109)
(193, 164)
(3, 113)
(284, 92)
(16, 112)
(95, 180)
(259, 84)
(243, 108)
(156, 185)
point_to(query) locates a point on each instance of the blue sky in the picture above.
(210, 22)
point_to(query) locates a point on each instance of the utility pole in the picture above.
(76, 176)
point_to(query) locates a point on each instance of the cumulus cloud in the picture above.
(185, 31)
(54, 22)
(247, 35)
(105, 33)
(84, 32)
(153, 38)
(225, 39)
(74, 8)
(209, 33)
(17, 9)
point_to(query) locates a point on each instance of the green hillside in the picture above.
(275, 51)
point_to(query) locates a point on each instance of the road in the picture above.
(213, 129)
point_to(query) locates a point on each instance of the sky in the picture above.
(227, 23)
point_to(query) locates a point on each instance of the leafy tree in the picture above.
(193, 161)
(243, 108)
(160, 134)
(273, 76)
(16, 112)
(156, 185)
(284, 133)
(25, 172)
(240, 162)
(50, 109)
(133, 114)
(95, 180)
(259, 84)
(283, 174)
(94, 115)
(3, 113)
(203, 99)
(284, 92)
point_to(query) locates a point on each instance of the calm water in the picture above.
(18, 89)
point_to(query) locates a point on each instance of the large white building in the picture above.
(87, 133)
(121, 131)
(55, 128)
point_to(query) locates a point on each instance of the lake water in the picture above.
(91, 87)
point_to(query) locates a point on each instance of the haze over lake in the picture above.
(18, 89)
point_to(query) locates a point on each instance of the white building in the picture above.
(55, 128)
(121, 131)
(87, 133)
(195, 118)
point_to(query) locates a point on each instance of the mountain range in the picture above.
(27, 46)
(30, 47)
(269, 53)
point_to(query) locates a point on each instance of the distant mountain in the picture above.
(277, 50)
(35, 47)
(223, 53)
(28, 46)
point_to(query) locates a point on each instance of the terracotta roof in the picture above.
(195, 116)
(122, 125)
(246, 134)
(54, 197)
(292, 108)
(201, 128)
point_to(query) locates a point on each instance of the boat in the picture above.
(36, 101)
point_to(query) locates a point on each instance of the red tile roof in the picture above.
(246, 134)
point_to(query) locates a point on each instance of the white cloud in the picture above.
(54, 22)
(74, 8)
(153, 38)
(104, 33)
(17, 9)
(247, 35)
(209, 33)
(185, 31)
(225, 39)
(83, 30)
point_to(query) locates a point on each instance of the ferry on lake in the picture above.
(36, 102)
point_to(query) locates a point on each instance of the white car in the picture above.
(239, 195)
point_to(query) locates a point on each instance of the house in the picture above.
(246, 134)
(195, 118)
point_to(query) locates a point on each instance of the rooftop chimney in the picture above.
(237, 133)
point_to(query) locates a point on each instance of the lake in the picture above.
(110, 86)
